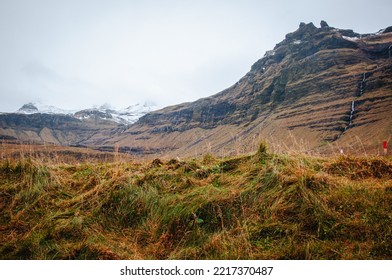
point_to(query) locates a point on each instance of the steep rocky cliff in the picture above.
(320, 89)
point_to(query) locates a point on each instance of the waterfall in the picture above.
(352, 112)
(361, 84)
(351, 115)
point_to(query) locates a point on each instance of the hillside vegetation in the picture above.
(261, 206)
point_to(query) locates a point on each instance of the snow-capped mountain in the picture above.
(132, 113)
(37, 107)
(125, 116)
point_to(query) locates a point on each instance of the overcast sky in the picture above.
(75, 54)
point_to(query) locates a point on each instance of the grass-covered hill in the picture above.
(263, 206)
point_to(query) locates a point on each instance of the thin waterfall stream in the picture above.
(351, 113)
(362, 84)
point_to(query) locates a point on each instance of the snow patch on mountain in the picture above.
(352, 39)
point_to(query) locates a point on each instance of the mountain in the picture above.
(36, 107)
(320, 89)
(39, 123)
(125, 116)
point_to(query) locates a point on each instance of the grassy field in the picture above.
(261, 206)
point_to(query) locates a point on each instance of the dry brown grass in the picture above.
(261, 206)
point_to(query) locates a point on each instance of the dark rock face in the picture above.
(37, 121)
(29, 108)
(324, 24)
(305, 85)
(304, 31)
(388, 29)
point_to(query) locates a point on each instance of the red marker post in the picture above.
(385, 145)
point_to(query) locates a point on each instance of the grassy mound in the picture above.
(264, 206)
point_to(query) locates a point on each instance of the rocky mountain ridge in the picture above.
(320, 88)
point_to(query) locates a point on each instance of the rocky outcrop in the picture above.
(28, 108)
(324, 24)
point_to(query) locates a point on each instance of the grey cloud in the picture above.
(78, 53)
(35, 69)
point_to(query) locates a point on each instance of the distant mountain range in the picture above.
(125, 116)
(39, 123)
(322, 89)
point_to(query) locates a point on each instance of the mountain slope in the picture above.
(319, 89)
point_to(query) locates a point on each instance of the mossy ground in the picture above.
(262, 206)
